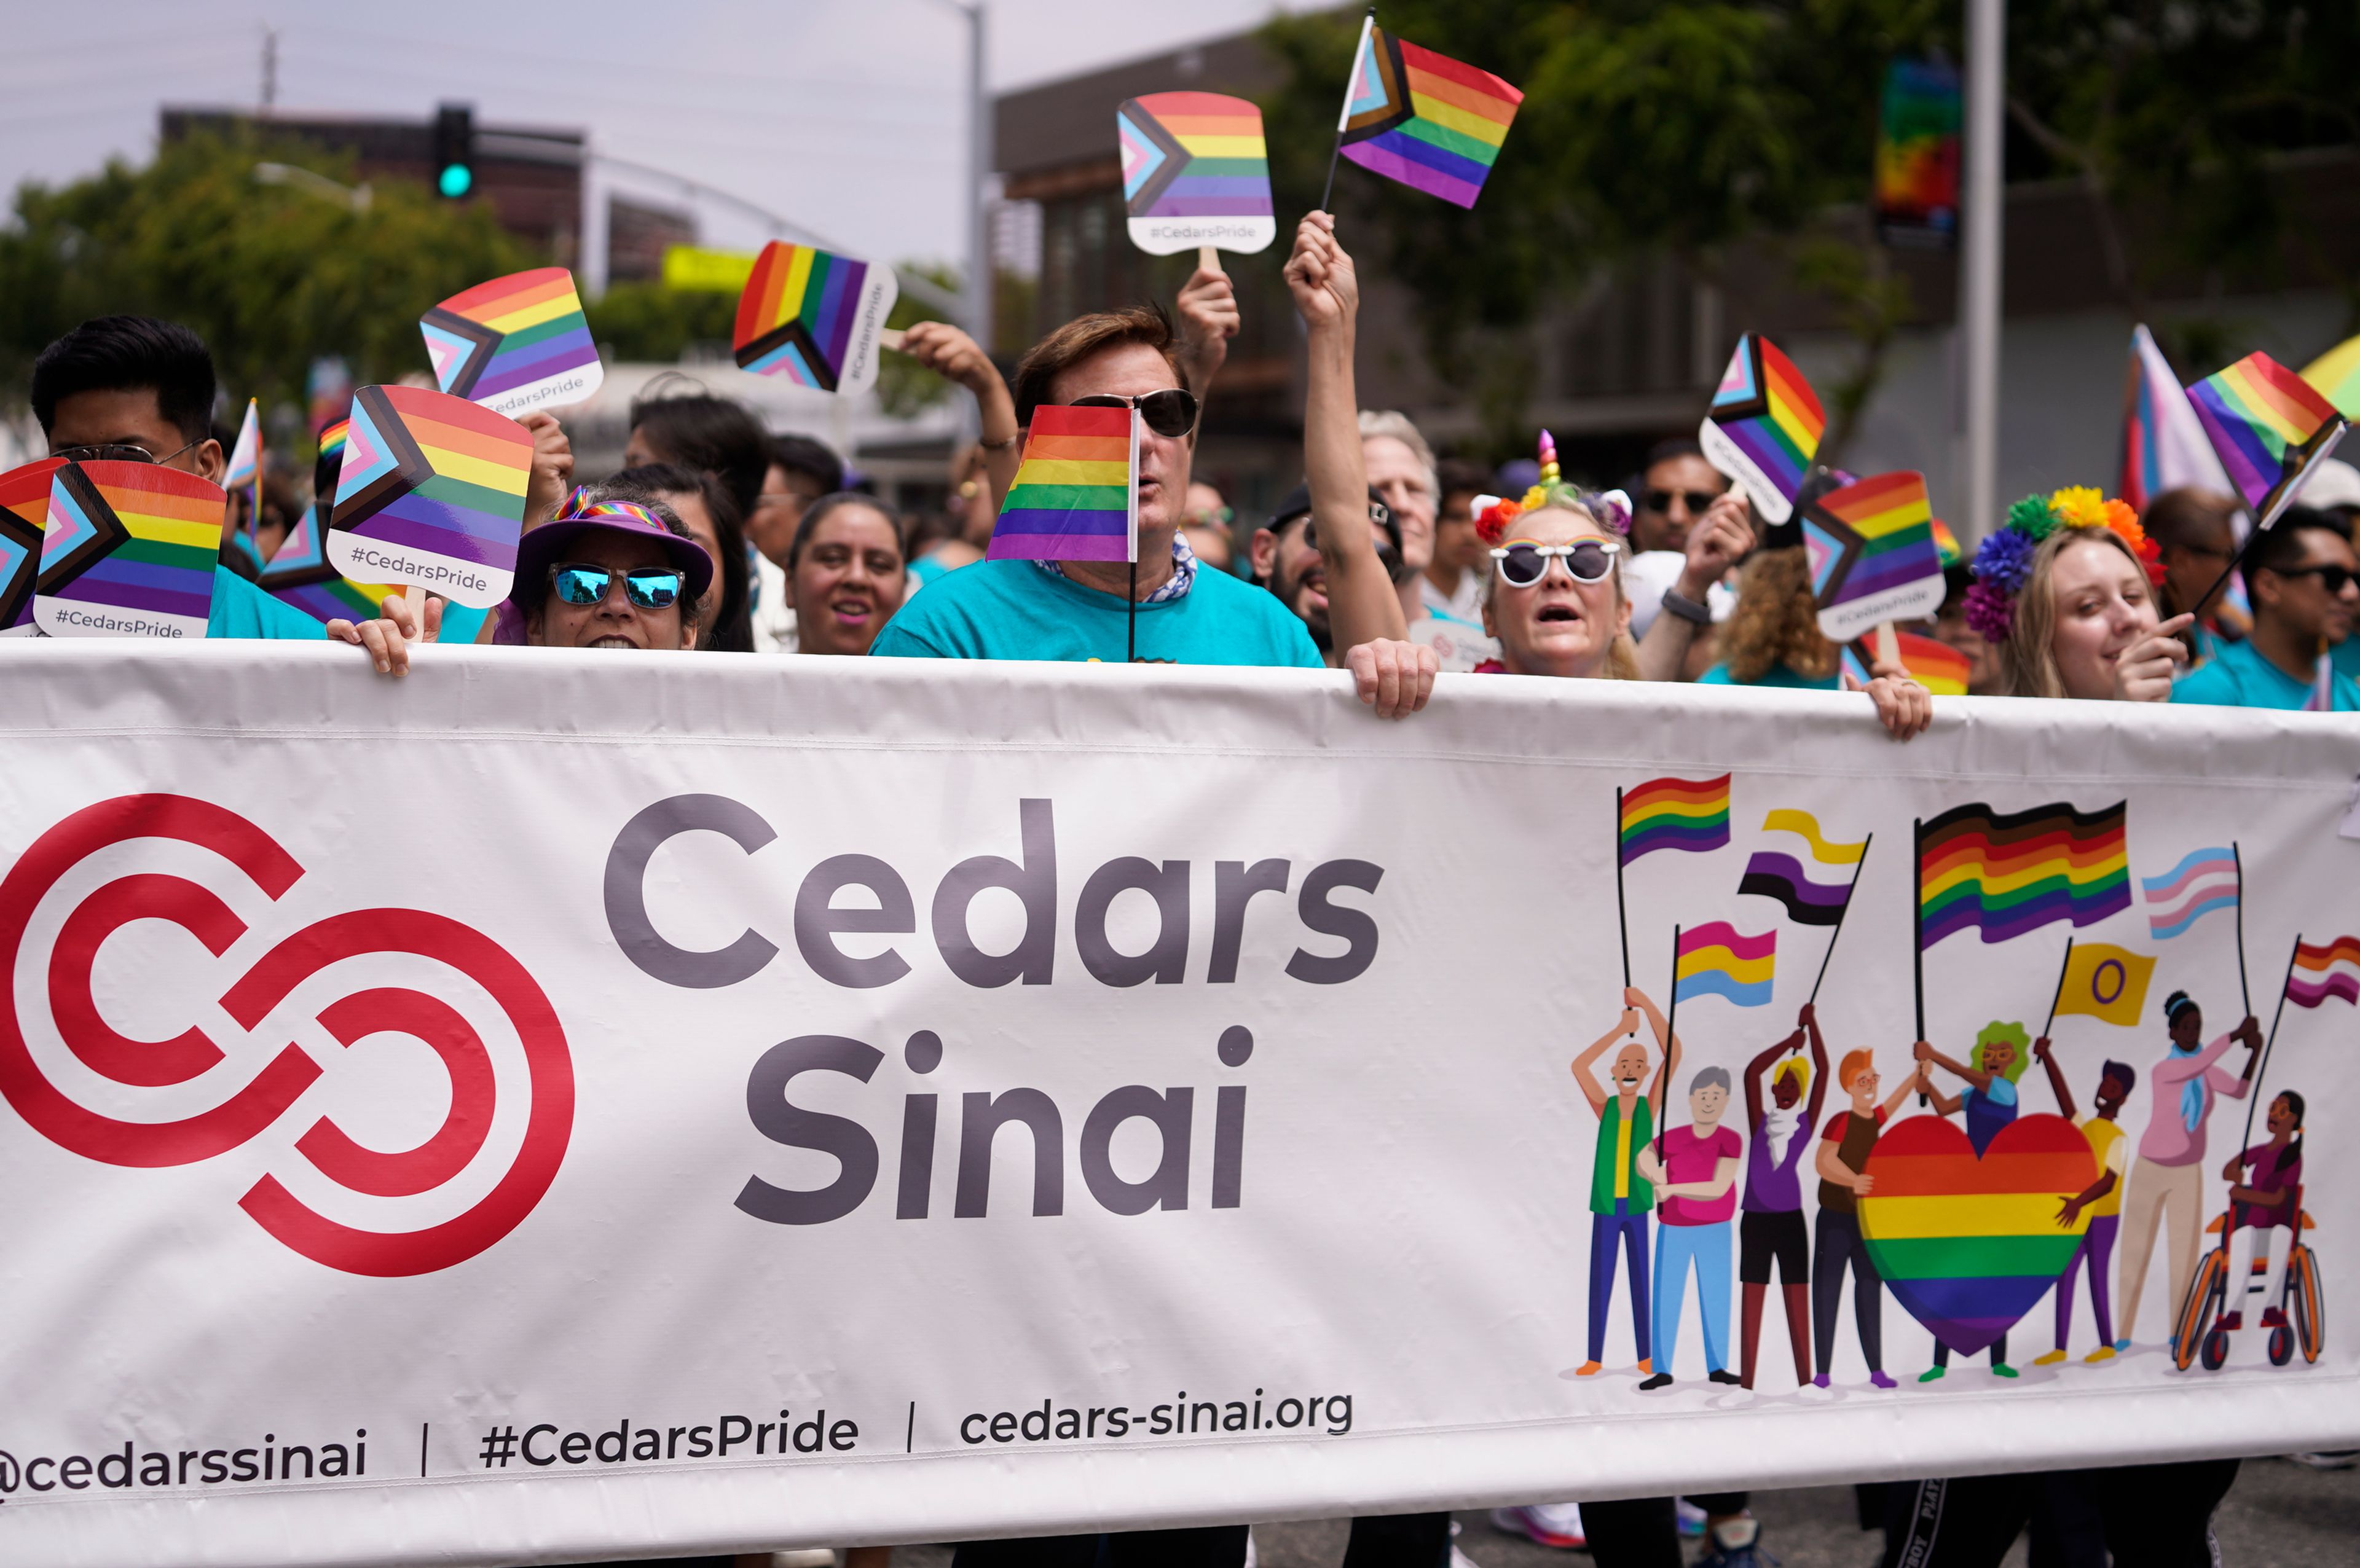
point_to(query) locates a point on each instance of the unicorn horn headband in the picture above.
(1492, 514)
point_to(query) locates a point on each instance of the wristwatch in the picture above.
(1678, 603)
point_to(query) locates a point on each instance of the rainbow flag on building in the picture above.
(129, 550)
(1673, 814)
(1424, 119)
(2004, 874)
(515, 343)
(1715, 960)
(1871, 554)
(1076, 492)
(1763, 427)
(2267, 425)
(2324, 970)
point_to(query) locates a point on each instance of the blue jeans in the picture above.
(1630, 1228)
(1706, 1246)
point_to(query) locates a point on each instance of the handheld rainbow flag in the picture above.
(1942, 669)
(2324, 970)
(1077, 493)
(2004, 874)
(431, 492)
(1714, 960)
(1872, 553)
(128, 550)
(1421, 119)
(245, 473)
(814, 317)
(2336, 374)
(1195, 173)
(513, 344)
(1673, 814)
(2268, 426)
(2164, 446)
(1763, 427)
(2205, 880)
(24, 516)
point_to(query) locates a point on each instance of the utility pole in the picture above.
(269, 67)
(978, 175)
(1979, 258)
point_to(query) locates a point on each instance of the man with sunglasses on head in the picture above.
(1285, 556)
(2304, 581)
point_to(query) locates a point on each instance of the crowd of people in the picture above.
(718, 535)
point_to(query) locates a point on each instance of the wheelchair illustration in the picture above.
(2301, 1305)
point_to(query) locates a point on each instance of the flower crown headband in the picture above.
(1492, 514)
(2003, 561)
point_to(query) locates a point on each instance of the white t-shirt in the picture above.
(774, 619)
(1648, 574)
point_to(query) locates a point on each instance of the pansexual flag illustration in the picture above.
(1942, 669)
(814, 317)
(1076, 492)
(1763, 427)
(1430, 122)
(2327, 969)
(513, 344)
(1872, 553)
(127, 550)
(1194, 172)
(24, 513)
(1715, 960)
(431, 492)
(2205, 881)
(2267, 425)
(2336, 374)
(1673, 814)
(2004, 874)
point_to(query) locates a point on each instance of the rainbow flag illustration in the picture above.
(814, 317)
(1194, 172)
(2005, 874)
(2205, 880)
(23, 517)
(1673, 814)
(1872, 553)
(1076, 492)
(430, 491)
(2336, 374)
(1933, 664)
(127, 550)
(1421, 119)
(1969, 1244)
(1714, 960)
(2268, 426)
(1763, 427)
(2324, 970)
(513, 344)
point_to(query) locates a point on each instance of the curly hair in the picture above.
(1776, 622)
(2012, 1035)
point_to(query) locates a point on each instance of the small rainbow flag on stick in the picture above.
(1077, 493)
(1872, 553)
(128, 550)
(23, 517)
(1674, 813)
(1196, 173)
(1713, 959)
(1763, 427)
(2324, 970)
(2268, 426)
(516, 344)
(815, 318)
(429, 493)
(1423, 119)
(2004, 874)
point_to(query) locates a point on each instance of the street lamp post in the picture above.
(1980, 258)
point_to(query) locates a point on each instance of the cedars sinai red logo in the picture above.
(252, 1107)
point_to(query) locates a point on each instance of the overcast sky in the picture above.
(847, 115)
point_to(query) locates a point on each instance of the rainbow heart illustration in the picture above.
(1966, 1245)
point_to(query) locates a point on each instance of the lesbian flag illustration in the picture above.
(2324, 970)
(2205, 881)
(127, 550)
(1076, 492)
(1673, 814)
(1763, 427)
(24, 516)
(1421, 119)
(1872, 553)
(814, 317)
(2268, 426)
(1715, 960)
(1194, 172)
(2004, 874)
(430, 491)
(513, 344)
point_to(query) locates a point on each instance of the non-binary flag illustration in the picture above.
(1764, 426)
(2004, 874)
(1716, 959)
(1424, 119)
(1194, 172)
(1076, 492)
(2336, 374)
(814, 317)
(2267, 425)
(1942, 669)
(1673, 814)
(1871, 554)
(2104, 982)
(24, 516)
(2203, 881)
(2324, 970)
(129, 550)
(516, 344)
(431, 494)
(1774, 874)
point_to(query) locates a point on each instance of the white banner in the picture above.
(563, 1104)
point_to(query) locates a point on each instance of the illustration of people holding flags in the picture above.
(1620, 1198)
(1772, 1227)
(2110, 1146)
(1989, 1101)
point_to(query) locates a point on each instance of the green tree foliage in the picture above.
(644, 320)
(270, 276)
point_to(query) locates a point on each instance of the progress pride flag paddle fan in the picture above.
(1763, 427)
(1196, 171)
(129, 550)
(23, 517)
(815, 318)
(430, 494)
(515, 344)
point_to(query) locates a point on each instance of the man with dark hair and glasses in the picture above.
(1674, 490)
(2304, 581)
(1284, 555)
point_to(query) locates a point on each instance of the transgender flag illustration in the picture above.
(2206, 880)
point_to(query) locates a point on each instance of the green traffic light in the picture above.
(456, 181)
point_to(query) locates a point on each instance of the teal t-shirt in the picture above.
(1012, 609)
(2345, 656)
(242, 610)
(2239, 677)
(1776, 675)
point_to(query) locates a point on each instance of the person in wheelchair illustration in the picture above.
(2260, 1235)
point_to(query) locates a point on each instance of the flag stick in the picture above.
(1841, 915)
(1328, 190)
(1131, 615)
(2238, 855)
(2059, 996)
(2263, 525)
(1671, 1034)
(1918, 924)
(1621, 920)
(2261, 1069)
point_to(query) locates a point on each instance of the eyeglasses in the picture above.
(1171, 412)
(1208, 518)
(118, 451)
(1697, 500)
(2334, 578)
(648, 587)
(1522, 564)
